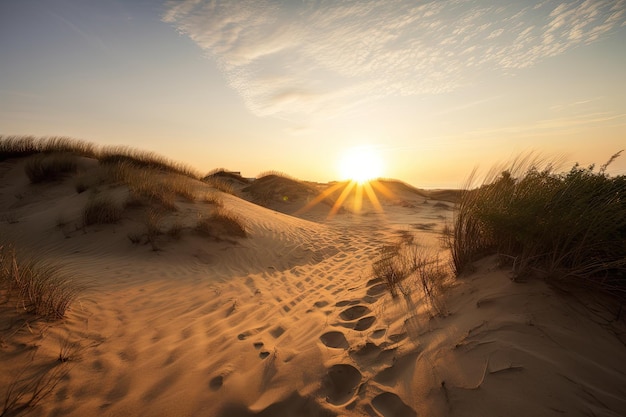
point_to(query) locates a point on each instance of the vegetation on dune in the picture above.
(20, 146)
(101, 209)
(407, 267)
(36, 287)
(559, 225)
(49, 167)
(155, 185)
(141, 159)
(221, 223)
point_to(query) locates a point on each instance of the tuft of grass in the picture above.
(221, 223)
(407, 267)
(30, 386)
(101, 209)
(50, 167)
(37, 287)
(152, 185)
(563, 225)
(220, 184)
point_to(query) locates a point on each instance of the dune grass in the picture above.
(21, 146)
(101, 209)
(407, 267)
(49, 167)
(142, 159)
(152, 185)
(36, 287)
(221, 223)
(562, 225)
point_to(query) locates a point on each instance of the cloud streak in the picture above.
(290, 59)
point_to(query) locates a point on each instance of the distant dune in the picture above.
(199, 302)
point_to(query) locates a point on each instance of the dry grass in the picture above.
(49, 167)
(152, 185)
(559, 225)
(30, 385)
(36, 287)
(221, 223)
(141, 159)
(407, 267)
(101, 209)
(20, 146)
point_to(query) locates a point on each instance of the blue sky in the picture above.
(436, 88)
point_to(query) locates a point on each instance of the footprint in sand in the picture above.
(216, 383)
(364, 323)
(334, 339)
(354, 312)
(340, 383)
(389, 404)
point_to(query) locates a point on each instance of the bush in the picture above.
(49, 167)
(101, 210)
(570, 224)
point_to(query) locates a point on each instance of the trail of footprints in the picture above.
(375, 361)
(343, 382)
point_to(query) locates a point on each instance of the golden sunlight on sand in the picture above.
(229, 297)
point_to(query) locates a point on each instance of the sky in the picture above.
(436, 88)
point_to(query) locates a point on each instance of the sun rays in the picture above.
(352, 195)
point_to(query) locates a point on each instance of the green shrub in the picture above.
(570, 224)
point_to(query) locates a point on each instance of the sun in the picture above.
(361, 164)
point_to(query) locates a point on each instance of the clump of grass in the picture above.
(562, 225)
(37, 287)
(50, 167)
(221, 223)
(152, 229)
(220, 184)
(407, 267)
(31, 385)
(152, 185)
(101, 209)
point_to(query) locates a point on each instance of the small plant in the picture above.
(49, 167)
(101, 210)
(406, 266)
(31, 385)
(221, 223)
(175, 231)
(38, 287)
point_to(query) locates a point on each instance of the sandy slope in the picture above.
(288, 322)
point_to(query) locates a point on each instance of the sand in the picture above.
(290, 321)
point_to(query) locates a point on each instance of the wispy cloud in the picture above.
(323, 57)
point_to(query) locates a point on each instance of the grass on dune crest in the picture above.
(555, 224)
(21, 146)
(142, 159)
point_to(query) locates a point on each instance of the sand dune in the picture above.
(290, 322)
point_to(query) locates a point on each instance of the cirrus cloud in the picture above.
(323, 57)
